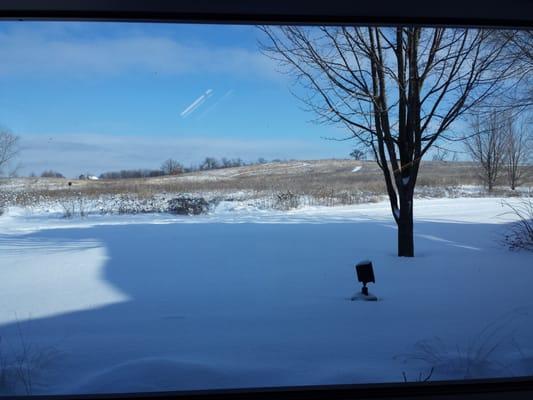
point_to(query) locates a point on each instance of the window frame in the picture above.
(495, 14)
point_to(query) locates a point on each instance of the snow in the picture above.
(73, 272)
(396, 212)
(248, 297)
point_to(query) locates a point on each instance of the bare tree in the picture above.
(228, 163)
(171, 167)
(487, 146)
(440, 154)
(9, 148)
(358, 154)
(519, 51)
(51, 174)
(516, 152)
(396, 90)
(209, 163)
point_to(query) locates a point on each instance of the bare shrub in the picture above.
(188, 206)
(520, 235)
(330, 197)
(421, 377)
(20, 367)
(73, 206)
(68, 208)
(325, 196)
(286, 200)
(474, 359)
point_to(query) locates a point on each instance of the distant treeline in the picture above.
(131, 173)
(173, 167)
(50, 174)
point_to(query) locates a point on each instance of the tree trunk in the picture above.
(406, 245)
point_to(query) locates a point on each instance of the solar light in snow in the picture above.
(365, 275)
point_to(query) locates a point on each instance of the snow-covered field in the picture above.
(247, 297)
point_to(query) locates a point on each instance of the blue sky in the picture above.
(93, 97)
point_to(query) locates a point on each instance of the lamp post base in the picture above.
(365, 297)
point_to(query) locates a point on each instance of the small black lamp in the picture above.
(365, 274)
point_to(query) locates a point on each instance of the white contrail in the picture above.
(217, 102)
(196, 103)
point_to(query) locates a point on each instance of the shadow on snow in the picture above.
(229, 305)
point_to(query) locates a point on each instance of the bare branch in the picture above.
(9, 148)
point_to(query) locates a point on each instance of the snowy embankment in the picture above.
(249, 297)
(160, 203)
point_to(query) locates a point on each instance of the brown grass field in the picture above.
(320, 179)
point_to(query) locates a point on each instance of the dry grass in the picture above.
(328, 182)
(476, 357)
(520, 235)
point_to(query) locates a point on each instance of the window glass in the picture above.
(213, 206)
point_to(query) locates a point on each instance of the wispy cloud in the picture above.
(196, 103)
(37, 52)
